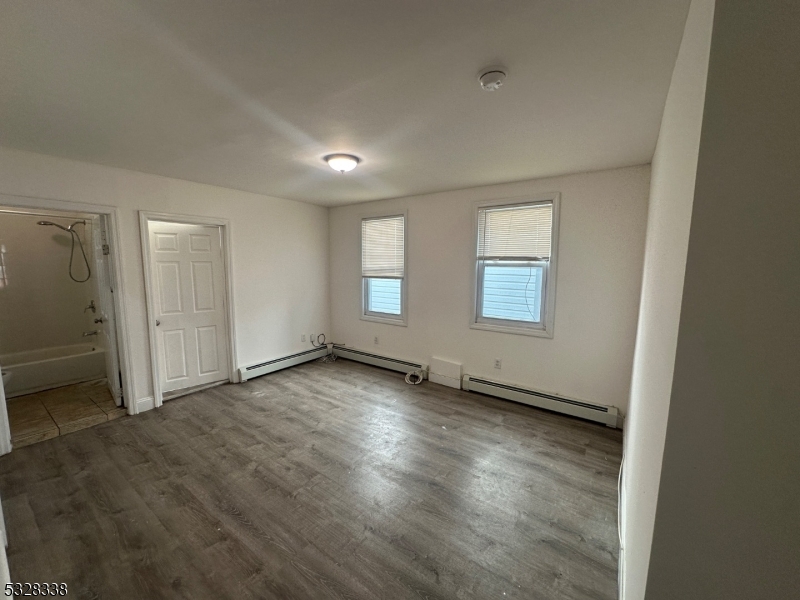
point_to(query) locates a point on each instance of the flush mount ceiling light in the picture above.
(342, 162)
(491, 79)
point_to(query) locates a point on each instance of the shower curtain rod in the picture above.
(26, 212)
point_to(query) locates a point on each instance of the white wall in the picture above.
(601, 245)
(280, 264)
(728, 514)
(40, 306)
(5, 576)
(671, 195)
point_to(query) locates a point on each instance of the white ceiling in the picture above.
(250, 94)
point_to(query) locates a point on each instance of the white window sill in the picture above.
(530, 331)
(384, 320)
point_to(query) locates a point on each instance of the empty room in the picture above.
(416, 299)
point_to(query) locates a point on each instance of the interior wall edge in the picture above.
(669, 219)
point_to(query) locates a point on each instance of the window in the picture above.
(383, 269)
(514, 267)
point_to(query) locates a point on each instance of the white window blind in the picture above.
(383, 247)
(520, 232)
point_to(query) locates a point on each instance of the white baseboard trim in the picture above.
(380, 360)
(600, 413)
(444, 380)
(276, 364)
(145, 404)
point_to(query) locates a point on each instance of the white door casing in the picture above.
(104, 282)
(188, 299)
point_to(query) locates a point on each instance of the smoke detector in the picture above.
(492, 79)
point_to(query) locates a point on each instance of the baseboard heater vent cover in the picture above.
(277, 364)
(607, 415)
(395, 364)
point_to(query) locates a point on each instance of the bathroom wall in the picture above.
(40, 306)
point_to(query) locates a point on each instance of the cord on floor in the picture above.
(319, 343)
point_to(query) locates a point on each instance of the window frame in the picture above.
(510, 322)
(378, 317)
(544, 328)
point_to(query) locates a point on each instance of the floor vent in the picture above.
(395, 364)
(607, 415)
(281, 363)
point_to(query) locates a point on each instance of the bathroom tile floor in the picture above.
(44, 415)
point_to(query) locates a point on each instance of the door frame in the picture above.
(225, 232)
(35, 203)
(103, 270)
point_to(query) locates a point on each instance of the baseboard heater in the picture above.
(395, 364)
(607, 415)
(277, 364)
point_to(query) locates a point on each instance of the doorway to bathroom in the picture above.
(59, 350)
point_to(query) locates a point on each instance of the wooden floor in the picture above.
(44, 415)
(321, 481)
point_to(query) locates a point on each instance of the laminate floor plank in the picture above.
(322, 481)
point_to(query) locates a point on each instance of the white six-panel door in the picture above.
(189, 300)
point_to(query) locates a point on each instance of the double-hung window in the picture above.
(383, 269)
(514, 274)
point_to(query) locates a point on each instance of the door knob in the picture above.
(158, 322)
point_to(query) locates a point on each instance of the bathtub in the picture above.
(39, 370)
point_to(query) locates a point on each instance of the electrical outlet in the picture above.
(311, 338)
(376, 339)
(498, 364)
(303, 337)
